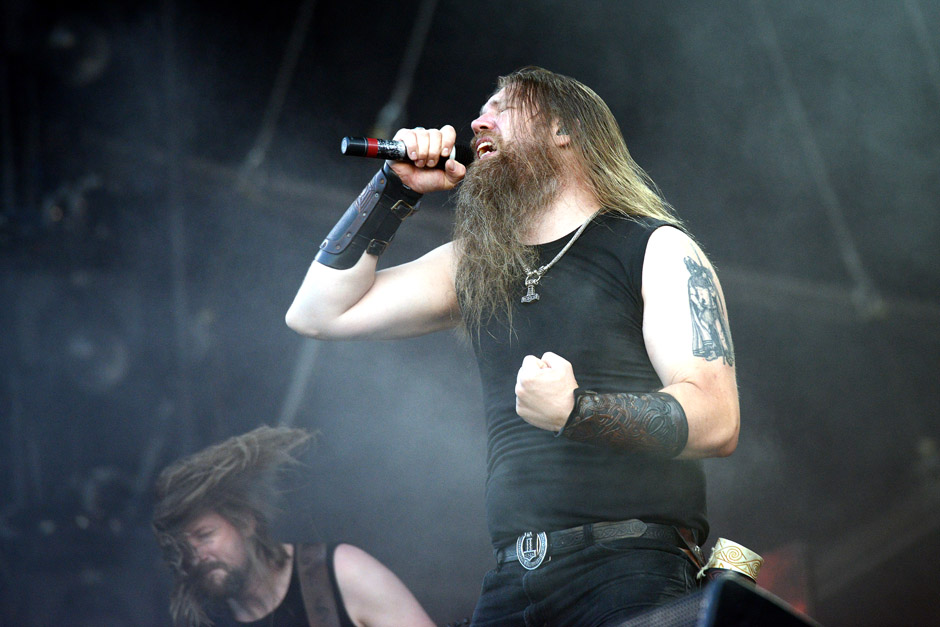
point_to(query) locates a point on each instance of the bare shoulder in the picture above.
(668, 241)
(351, 560)
(372, 593)
(672, 254)
(685, 315)
(358, 575)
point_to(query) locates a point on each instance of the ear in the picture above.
(560, 134)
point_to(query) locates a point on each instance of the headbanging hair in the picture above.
(235, 479)
(620, 185)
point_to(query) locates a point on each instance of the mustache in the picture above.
(201, 570)
(478, 137)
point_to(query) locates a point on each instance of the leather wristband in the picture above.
(652, 422)
(370, 222)
(578, 393)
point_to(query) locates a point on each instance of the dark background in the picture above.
(168, 170)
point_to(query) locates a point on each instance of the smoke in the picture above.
(835, 408)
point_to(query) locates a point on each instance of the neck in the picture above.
(264, 592)
(573, 205)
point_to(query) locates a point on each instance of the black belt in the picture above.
(534, 548)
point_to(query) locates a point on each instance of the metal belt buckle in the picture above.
(531, 549)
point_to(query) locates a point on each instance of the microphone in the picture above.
(394, 149)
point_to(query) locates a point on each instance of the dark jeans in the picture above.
(603, 584)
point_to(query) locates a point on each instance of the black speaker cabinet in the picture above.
(725, 602)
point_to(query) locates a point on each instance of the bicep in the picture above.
(685, 318)
(403, 301)
(688, 338)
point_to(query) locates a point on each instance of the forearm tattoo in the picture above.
(652, 423)
(711, 338)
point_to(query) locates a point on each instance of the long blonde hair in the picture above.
(618, 182)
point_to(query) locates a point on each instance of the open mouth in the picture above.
(485, 148)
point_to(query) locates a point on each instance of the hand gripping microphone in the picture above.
(395, 150)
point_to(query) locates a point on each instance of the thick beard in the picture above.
(500, 200)
(212, 591)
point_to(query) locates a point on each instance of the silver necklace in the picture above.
(532, 277)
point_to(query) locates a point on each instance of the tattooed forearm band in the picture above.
(651, 422)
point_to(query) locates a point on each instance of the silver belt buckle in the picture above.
(531, 549)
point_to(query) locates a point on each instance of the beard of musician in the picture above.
(499, 201)
(211, 589)
(235, 568)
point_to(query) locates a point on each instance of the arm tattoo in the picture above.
(711, 338)
(650, 423)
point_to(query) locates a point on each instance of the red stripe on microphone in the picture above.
(372, 147)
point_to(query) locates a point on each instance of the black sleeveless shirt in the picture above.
(590, 312)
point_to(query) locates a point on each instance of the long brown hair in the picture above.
(490, 256)
(619, 183)
(234, 479)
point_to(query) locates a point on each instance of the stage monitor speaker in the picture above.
(725, 602)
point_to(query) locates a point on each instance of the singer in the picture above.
(602, 339)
